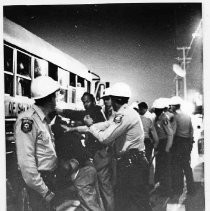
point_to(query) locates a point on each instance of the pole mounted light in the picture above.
(184, 60)
(179, 73)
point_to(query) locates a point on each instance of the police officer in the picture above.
(35, 144)
(181, 149)
(163, 157)
(126, 132)
(169, 113)
(150, 134)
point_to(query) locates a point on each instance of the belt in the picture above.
(130, 157)
(129, 152)
(183, 138)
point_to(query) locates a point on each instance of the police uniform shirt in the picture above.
(147, 125)
(126, 130)
(172, 120)
(163, 127)
(184, 125)
(35, 147)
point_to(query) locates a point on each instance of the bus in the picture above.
(27, 56)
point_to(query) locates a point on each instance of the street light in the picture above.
(181, 73)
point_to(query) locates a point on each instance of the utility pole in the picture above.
(184, 60)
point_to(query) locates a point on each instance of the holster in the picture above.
(130, 158)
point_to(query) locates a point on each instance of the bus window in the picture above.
(72, 79)
(71, 94)
(23, 87)
(63, 95)
(53, 71)
(8, 59)
(40, 67)
(99, 92)
(8, 70)
(80, 81)
(23, 79)
(63, 79)
(23, 64)
(8, 84)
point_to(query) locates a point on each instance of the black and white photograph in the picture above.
(104, 105)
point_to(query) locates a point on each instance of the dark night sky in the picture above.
(134, 43)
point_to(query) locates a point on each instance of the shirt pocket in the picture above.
(43, 140)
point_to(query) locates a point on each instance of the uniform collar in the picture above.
(39, 112)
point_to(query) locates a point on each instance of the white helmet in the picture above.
(159, 103)
(120, 89)
(43, 86)
(166, 101)
(176, 100)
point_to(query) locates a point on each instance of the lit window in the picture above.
(23, 64)
(8, 59)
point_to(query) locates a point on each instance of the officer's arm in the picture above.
(169, 131)
(154, 135)
(174, 125)
(191, 130)
(84, 128)
(25, 145)
(113, 131)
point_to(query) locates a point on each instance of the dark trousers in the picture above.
(148, 148)
(181, 151)
(163, 168)
(36, 201)
(132, 186)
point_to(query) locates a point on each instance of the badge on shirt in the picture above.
(26, 125)
(165, 122)
(118, 118)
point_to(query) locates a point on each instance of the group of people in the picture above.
(100, 156)
(169, 131)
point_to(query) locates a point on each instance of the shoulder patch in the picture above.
(118, 118)
(26, 125)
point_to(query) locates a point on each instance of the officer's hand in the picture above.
(67, 129)
(167, 149)
(49, 199)
(49, 196)
(155, 146)
(88, 120)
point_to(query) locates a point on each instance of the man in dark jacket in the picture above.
(99, 152)
(75, 169)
